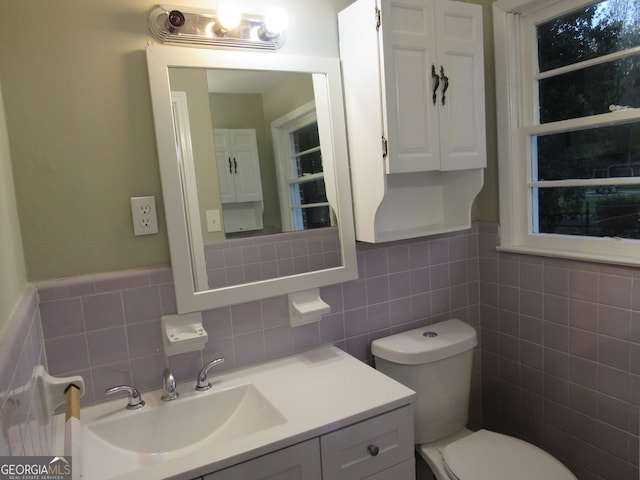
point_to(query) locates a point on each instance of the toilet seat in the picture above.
(486, 455)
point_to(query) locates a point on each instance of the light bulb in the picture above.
(209, 30)
(229, 15)
(276, 21)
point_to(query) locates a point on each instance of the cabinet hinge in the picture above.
(378, 19)
(384, 147)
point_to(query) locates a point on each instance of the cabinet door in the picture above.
(403, 471)
(225, 165)
(408, 40)
(460, 55)
(299, 462)
(238, 165)
(246, 165)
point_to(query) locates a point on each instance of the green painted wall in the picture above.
(75, 87)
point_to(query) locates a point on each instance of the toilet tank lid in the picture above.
(426, 344)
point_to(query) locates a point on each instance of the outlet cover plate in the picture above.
(213, 221)
(145, 218)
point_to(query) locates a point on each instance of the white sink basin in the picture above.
(169, 426)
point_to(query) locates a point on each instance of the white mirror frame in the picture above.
(330, 110)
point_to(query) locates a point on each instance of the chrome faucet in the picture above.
(135, 400)
(203, 383)
(169, 391)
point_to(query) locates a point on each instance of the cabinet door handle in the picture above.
(235, 165)
(230, 171)
(373, 450)
(445, 85)
(436, 82)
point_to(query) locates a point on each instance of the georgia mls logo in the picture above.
(35, 468)
(60, 465)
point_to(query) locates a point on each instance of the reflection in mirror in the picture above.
(258, 167)
(257, 159)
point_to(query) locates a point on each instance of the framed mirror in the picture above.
(255, 178)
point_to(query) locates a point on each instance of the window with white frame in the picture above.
(303, 198)
(568, 87)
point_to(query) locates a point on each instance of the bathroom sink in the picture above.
(170, 426)
(248, 413)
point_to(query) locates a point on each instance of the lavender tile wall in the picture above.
(560, 339)
(24, 431)
(250, 259)
(107, 327)
(561, 357)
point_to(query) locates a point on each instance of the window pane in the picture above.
(597, 30)
(596, 211)
(316, 217)
(308, 164)
(604, 152)
(590, 91)
(305, 138)
(309, 192)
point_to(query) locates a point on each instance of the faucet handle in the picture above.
(203, 383)
(135, 400)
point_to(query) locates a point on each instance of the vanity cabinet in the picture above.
(413, 74)
(379, 448)
(298, 462)
(239, 178)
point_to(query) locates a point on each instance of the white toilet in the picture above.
(435, 361)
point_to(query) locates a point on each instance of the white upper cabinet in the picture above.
(427, 57)
(238, 165)
(413, 75)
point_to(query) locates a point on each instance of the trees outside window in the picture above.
(570, 137)
(595, 37)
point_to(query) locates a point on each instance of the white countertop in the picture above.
(318, 391)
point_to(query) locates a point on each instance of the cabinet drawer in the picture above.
(368, 447)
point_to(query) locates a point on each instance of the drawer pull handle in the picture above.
(373, 450)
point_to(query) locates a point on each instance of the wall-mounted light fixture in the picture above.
(227, 27)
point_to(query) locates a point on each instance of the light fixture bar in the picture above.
(190, 26)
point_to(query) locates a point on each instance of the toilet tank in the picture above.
(434, 361)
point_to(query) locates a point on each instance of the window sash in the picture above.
(306, 178)
(517, 123)
(310, 205)
(611, 57)
(527, 36)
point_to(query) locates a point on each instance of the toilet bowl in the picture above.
(435, 361)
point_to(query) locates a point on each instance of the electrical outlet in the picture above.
(145, 219)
